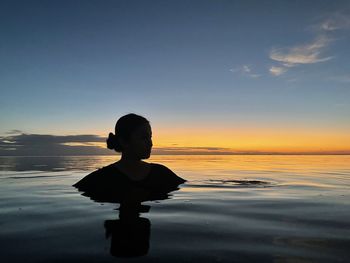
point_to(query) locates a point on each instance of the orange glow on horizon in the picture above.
(248, 139)
(258, 139)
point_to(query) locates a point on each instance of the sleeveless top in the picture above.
(109, 184)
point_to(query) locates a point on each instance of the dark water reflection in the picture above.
(130, 233)
(128, 238)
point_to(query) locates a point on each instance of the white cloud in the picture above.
(245, 70)
(302, 54)
(313, 52)
(277, 71)
(336, 22)
(299, 55)
(288, 65)
(234, 70)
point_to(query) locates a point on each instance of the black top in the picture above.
(109, 184)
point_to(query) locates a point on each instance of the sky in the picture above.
(211, 76)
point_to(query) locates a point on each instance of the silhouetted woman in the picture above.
(130, 180)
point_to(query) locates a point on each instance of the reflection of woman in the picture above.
(129, 238)
(118, 181)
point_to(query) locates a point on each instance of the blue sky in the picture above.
(74, 67)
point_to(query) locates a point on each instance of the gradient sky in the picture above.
(244, 75)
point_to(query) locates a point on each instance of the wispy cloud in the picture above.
(312, 52)
(245, 70)
(337, 21)
(277, 71)
(303, 54)
(14, 132)
(193, 150)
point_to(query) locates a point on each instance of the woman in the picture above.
(130, 179)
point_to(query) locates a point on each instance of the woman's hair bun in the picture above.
(111, 141)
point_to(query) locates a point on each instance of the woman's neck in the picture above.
(127, 160)
(135, 169)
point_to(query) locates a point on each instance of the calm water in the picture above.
(232, 209)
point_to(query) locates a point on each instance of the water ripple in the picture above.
(231, 183)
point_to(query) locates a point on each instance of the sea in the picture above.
(233, 208)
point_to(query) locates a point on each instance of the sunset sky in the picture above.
(211, 76)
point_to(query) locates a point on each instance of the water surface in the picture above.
(232, 209)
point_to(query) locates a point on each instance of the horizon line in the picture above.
(77, 155)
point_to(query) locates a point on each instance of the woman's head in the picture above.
(133, 136)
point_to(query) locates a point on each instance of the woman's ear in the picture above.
(123, 143)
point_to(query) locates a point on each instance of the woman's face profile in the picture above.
(140, 143)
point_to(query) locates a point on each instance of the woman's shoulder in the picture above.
(96, 177)
(104, 171)
(164, 172)
(160, 168)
